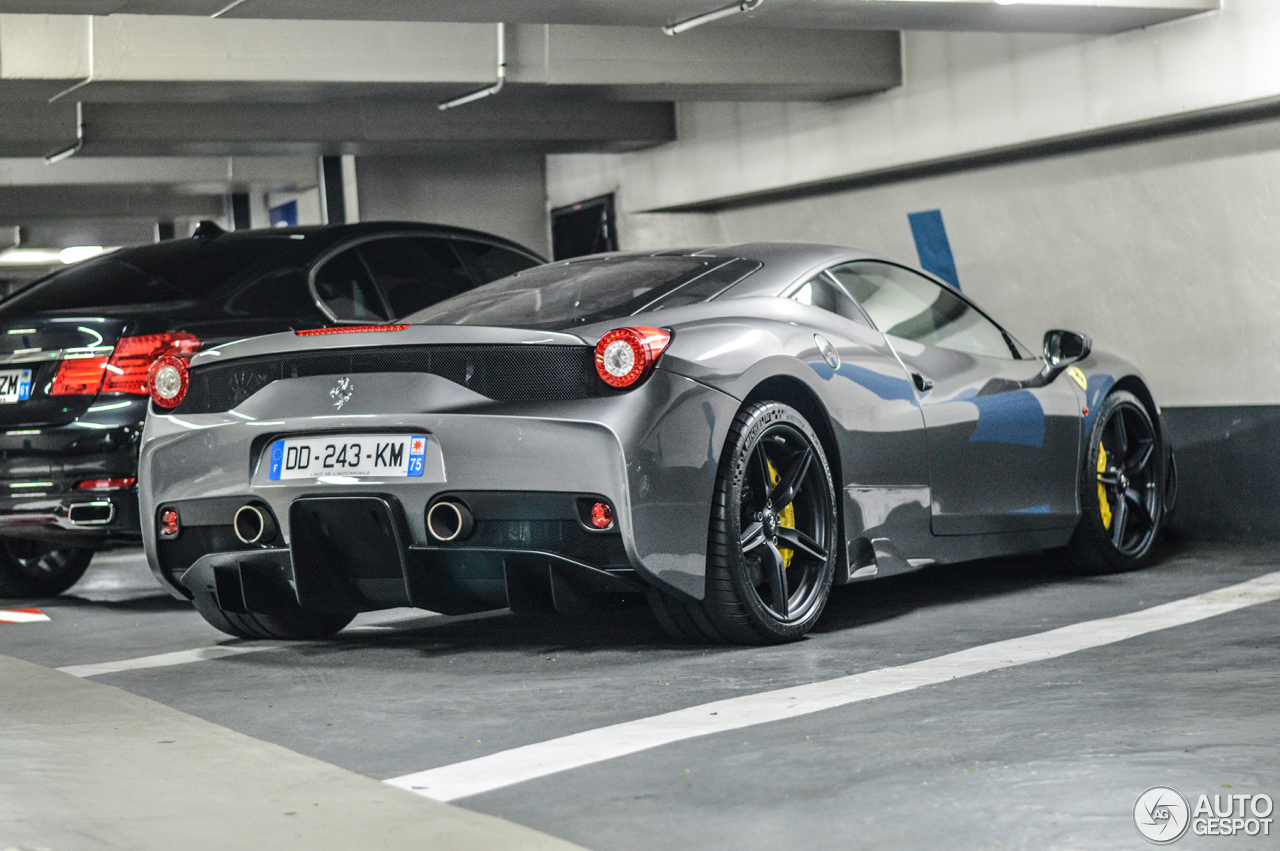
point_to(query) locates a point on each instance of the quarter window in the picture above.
(415, 272)
(822, 293)
(345, 286)
(491, 262)
(910, 306)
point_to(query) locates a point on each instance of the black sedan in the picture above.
(76, 346)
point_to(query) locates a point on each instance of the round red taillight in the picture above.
(169, 525)
(625, 356)
(601, 515)
(167, 381)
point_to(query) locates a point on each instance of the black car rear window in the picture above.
(581, 291)
(160, 274)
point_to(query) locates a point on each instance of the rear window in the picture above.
(576, 292)
(162, 274)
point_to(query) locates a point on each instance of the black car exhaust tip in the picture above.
(448, 520)
(254, 526)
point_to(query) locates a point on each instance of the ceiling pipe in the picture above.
(501, 73)
(226, 8)
(73, 149)
(707, 17)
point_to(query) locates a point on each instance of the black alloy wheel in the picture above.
(773, 534)
(39, 568)
(1122, 489)
(783, 523)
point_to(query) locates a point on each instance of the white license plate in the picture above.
(388, 455)
(15, 386)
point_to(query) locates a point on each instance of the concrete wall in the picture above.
(504, 194)
(1165, 251)
(963, 92)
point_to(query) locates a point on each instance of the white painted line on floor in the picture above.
(517, 765)
(22, 616)
(164, 660)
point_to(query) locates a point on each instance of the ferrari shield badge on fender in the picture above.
(1077, 374)
(341, 392)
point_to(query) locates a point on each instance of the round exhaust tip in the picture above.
(449, 521)
(253, 525)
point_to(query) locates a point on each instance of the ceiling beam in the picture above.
(540, 124)
(189, 174)
(21, 204)
(1078, 16)
(232, 59)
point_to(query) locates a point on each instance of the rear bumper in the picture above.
(85, 519)
(651, 454)
(41, 467)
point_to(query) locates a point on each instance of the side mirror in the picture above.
(1063, 348)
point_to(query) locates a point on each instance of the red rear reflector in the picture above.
(106, 484)
(133, 357)
(78, 377)
(169, 526)
(625, 356)
(348, 329)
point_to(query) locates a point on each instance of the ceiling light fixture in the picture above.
(708, 17)
(488, 90)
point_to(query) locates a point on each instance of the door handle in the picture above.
(923, 384)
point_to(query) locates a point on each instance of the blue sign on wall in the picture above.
(285, 215)
(933, 247)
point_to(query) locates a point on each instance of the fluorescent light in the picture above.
(50, 256)
(76, 253)
(29, 257)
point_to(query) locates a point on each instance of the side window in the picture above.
(491, 262)
(414, 272)
(344, 285)
(913, 307)
(820, 292)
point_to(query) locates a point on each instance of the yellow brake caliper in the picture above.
(1104, 505)
(786, 516)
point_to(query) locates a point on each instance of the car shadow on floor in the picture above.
(634, 628)
(629, 628)
(865, 603)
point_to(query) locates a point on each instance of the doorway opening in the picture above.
(586, 227)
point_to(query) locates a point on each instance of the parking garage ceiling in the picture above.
(1081, 16)
(286, 80)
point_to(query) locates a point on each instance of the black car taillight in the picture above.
(125, 371)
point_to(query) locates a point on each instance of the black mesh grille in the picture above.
(562, 537)
(506, 373)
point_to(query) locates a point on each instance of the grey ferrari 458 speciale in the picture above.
(726, 432)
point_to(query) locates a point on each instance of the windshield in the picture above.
(169, 272)
(582, 291)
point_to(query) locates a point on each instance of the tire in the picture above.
(757, 591)
(1123, 490)
(294, 624)
(39, 568)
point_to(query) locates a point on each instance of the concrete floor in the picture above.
(1046, 755)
